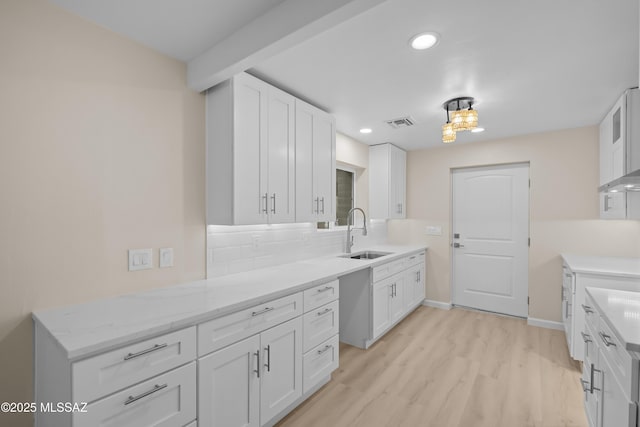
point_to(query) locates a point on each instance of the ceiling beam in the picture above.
(284, 26)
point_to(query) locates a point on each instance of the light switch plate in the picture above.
(140, 259)
(433, 230)
(166, 257)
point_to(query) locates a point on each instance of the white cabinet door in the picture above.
(250, 140)
(315, 164)
(281, 381)
(396, 302)
(616, 409)
(279, 157)
(414, 286)
(381, 313)
(324, 165)
(397, 187)
(387, 181)
(229, 385)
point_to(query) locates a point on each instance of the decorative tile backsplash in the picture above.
(234, 249)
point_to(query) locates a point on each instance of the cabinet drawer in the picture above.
(320, 362)
(106, 373)
(414, 259)
(226, 330)
(320, 295)
(319, 325)
(385, 270)
(167, 400)
(623, 367)
(193, 424)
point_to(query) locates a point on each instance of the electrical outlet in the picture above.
(140, 259)
(166, 257)
(256, 239)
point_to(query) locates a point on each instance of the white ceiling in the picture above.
(533, 66)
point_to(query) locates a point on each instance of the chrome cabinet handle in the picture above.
(458, 245)
(569, 275)
(593, 371)
(325, 289)
(257, 370)
(586, 308)
(585, 337)
(266, 310)
(266, 208)
(585, 385)
(317, 201)
(267, 350)
(566, 307)
(322, 200)
(143, 352)
(325, 311)
(326, 347)
(155, 388)
(606, 203)
(273, 203)
(605, 339)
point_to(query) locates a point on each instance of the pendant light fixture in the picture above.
(463, 117)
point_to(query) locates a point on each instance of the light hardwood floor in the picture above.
(441, 368)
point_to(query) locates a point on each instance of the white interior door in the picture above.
(490, 238)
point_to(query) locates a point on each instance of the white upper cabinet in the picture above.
(614, 134)
(250, 153)
(315, 140)
(387, 181)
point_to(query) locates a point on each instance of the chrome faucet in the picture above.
(364, 227)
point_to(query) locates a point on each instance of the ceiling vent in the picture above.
(402, 122)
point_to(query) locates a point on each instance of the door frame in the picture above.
(452, 289)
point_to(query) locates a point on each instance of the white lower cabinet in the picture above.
(246, 368)
(610, 375)
(373, 301)
(248, 383)
(167, 400)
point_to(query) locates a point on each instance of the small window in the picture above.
(345, 194)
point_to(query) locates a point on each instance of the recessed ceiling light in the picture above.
(477, 130)
(365, 130)
(424, 41)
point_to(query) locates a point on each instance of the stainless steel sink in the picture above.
(365, 255)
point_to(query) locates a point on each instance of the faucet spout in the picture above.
(364, 228)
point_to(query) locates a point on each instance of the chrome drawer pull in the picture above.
(267, 365)
(593, 370)
(585, 337)
(143, 352)
(605, 339)
(568, 274)
(257, 370)
(586, 308)
(585, 385)
(325, 311)
(266, 310)
(326, 347)
(132, 399)
(325, 289)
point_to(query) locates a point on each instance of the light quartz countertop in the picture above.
(609, 266)
(85, 329)
(621, 310)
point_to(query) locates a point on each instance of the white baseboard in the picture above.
(437, 304)
(548, 324)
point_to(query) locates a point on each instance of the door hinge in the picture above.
(527, 300)
(529, 242)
